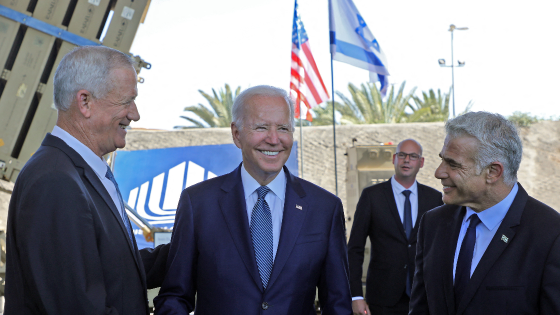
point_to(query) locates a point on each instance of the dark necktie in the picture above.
(124, 217)
(407, 220)
(261, 232)
(407, 223)
(464, 261)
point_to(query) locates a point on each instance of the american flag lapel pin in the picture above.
(299, 207)
(505, 239)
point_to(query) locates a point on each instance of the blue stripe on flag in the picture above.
(355, 52)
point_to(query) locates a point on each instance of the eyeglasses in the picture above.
(413, 156)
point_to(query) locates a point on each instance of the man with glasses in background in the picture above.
(387, 213)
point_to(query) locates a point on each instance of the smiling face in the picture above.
(266, 137)
(113, 113)
(462, 185)
(406, 169)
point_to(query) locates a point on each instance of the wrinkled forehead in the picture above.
(463, 146)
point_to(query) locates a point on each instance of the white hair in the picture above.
(86, 68)
(497, 139)
(237, 110)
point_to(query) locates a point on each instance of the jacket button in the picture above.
(405, 266)
(264, 306)
(409, 245)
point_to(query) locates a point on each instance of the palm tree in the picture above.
(431, 107)
(368, 107)
(219, 116)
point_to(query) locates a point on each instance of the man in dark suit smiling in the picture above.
(258, 240)
(70, 247)
(492, 249)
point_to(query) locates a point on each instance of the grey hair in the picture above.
(259, 90)
(86, 68)
(497, 137)
(410, 139)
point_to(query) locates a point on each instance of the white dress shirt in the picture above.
(400, 198)
(485, 230)
(99, 165)
(275, 199)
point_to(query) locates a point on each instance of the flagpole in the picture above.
(301, 136)
(333, 127)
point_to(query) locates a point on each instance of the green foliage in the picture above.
(220, 113)
(366, 106)
(522, 119)
(430, 107)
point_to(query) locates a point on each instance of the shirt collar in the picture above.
(277, 185)
(398, 188)
(492, 216)
(98, 164)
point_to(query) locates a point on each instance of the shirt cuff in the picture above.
(355, 298)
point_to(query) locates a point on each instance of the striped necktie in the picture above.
(261, 232)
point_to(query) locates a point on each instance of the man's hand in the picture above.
(360, 307)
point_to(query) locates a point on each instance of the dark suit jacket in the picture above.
(391, 253)
(67, 249)
(518, 274)
(212, 254)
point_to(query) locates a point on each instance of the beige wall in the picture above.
(539, 172)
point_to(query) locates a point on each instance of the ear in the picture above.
(495, 172)
(85, 100)
(235, 135)
(421, 162)
(394, 159)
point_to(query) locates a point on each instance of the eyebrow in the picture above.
(449, 160)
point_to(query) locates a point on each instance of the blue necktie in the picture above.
(407, 222)
(464, 261)
(261, 232)
(124, 217)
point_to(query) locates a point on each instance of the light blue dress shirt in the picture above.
(400, 198)
(99, 165)
(275, 200)
(485, 231)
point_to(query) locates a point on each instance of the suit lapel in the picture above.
(496, 247)
(292, 221)
(454, 227)
(234, 210)
(390, 198)
(90, 175)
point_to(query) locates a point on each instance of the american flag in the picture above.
(306, 85)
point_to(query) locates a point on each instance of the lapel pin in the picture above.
(505, 239)
(299, 207)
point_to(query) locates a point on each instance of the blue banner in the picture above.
(151, 181)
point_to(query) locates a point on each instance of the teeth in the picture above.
(122, 126)
(272, 153)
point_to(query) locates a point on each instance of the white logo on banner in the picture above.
(175, 177)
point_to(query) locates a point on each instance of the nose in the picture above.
(273, 137)
(441, 172)
(133, 113)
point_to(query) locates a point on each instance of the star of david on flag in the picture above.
(306, 84)
(353, 43)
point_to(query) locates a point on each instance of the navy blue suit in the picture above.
(212, 254)
(518, 274)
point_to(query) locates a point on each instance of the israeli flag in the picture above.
(352, 42)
